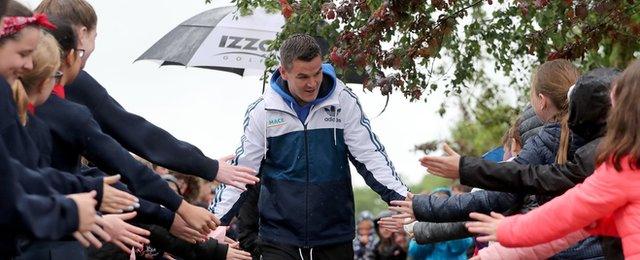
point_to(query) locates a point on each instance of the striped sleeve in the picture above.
(228, 199)
(368, 154)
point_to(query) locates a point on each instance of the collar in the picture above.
(31, 108)
(58, 90)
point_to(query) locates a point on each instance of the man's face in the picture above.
(304, 79)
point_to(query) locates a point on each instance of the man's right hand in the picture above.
(198, 218)
(236, 176)
(86, 204)
(114, 200)
(182, 230)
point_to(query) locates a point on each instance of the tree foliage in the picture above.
(474, 50)
(416, 46)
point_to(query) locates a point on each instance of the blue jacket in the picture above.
(306, 197)
(542, 148)
(448, 250)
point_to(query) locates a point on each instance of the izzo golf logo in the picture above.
(333, 114)
(242, 43)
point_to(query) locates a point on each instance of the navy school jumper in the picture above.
(137, 134)
(148, 212)
(75, 133)
(29, 207)
(23, 149)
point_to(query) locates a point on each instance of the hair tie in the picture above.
(13, 24)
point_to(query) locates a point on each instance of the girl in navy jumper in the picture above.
(132, 131)
(38, 83)
(75, 133)
(42, 214)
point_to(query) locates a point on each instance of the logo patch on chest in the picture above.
(276, 122)
(333, 113)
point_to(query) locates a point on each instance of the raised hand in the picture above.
(198, 218)
(123, 234)
(114, 200)
(182, 230)
(86, 204)
(444, 166)
(236, 176)
(486, 225)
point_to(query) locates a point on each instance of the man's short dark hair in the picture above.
(298, 47)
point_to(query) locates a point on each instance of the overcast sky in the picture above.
(206, 107)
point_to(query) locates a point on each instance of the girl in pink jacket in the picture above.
(607, 203)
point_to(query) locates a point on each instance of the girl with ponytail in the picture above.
(549, 87)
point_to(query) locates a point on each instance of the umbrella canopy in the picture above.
(219, 39)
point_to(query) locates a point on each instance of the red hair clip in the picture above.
(13, 24)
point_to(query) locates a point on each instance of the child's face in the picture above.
(511, 149)
(364, 228)
(16, 54)
(400, 238)
(385, 233)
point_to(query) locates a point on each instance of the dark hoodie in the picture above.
(589, 105)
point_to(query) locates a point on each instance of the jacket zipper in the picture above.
(306, 191)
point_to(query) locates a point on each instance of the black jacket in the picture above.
(550, 179)
(540, 149)
(428, 233)
(248, 221)
(430, 208)
(588, 107)
(137, 134)
(75, 133)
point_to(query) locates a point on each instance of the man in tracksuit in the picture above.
(300, 136)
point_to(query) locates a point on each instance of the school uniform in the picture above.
(75, 133)
(148, 212)
(138, 135)
(29, 207)
(41, 136)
